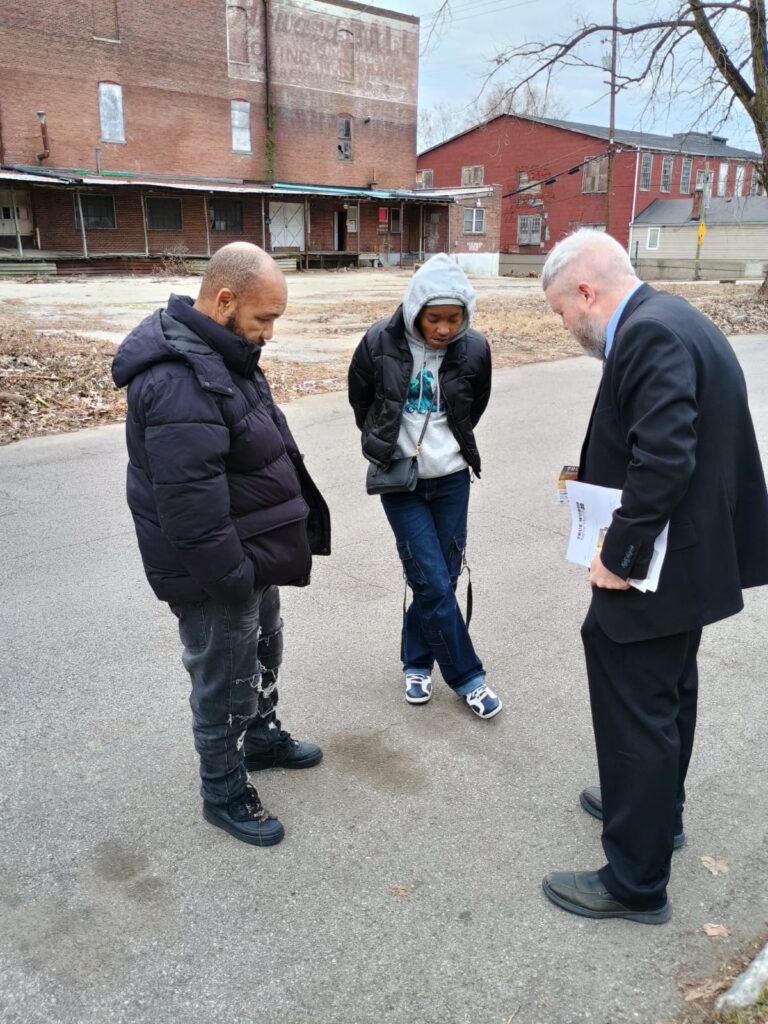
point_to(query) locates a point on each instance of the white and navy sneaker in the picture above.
(483, 701)
(418, 688)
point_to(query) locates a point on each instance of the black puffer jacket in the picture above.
(378, 387)
(215, 479)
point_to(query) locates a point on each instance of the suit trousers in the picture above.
(643, 698)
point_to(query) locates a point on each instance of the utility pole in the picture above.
(612, 123)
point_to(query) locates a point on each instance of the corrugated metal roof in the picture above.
(281, 189)
(677, 212)
(693, 143)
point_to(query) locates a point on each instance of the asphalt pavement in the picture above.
(408, 887)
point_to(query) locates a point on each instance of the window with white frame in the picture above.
(529, 230)
(241, 126)
(667, 166)
(344, 137)
(595, 177)
(652, 241)
(755, 189)
(738, 188)
(646, 169)
(472, 175)
(722, 178)
(98, 212)
(701, 178)
(685, 175)
(474, 220)
(111, 120)
(425, 178)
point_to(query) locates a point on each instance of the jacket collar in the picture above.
(643, 292)
(238, 354)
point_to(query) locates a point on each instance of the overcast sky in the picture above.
(458, 54)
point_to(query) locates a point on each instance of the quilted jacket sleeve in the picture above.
(361, 384)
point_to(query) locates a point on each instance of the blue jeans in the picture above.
(232, 653)
(430, 528)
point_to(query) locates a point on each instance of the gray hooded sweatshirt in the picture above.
(438, 278)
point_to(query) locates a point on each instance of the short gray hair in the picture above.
(238, 266)
(596, 250)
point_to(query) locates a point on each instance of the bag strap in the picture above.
(423, 431)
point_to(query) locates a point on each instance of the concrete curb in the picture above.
(748, 987)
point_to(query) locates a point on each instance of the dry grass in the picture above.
(56, 383)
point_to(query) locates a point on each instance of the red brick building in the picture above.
(130, 127)
(557, 172)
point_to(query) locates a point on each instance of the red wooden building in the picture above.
(554, 174)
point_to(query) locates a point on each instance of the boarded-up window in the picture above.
(163, 214)
(344, 136)
(595, 175)
(532, 188)
(352, 220)
(646, 168)
(472, 175)
(241, 126)
(226, 215)
(237, 35)
(383, 218)
(346, 42)
(474, 221)
(111, 112)
(105, 24)
(528, 230)
(98, 212)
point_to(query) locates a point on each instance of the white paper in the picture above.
(592, 509)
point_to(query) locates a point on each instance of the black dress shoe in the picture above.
(582, 892)
(246, 819)
(284, 752)
(591, 799)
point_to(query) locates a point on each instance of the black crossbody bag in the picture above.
(400, 475)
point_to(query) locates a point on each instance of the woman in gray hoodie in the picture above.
(426, 359)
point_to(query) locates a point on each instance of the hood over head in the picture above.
(440, 278)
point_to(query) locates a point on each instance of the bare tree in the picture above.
(711, 56)
(438, 123)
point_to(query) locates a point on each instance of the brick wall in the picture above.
(171, 59)
(508, 146)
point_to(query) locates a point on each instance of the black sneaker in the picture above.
(284, 752)
(246, 819)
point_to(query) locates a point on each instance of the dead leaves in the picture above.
(400, 891)
(53, 384)
(717, 931)
(705, 990)
(715, 867)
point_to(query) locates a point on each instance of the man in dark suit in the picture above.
(671, 429)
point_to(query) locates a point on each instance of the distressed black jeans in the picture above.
(232, 653)
(430, 528)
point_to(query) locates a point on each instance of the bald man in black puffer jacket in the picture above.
(225, 511)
